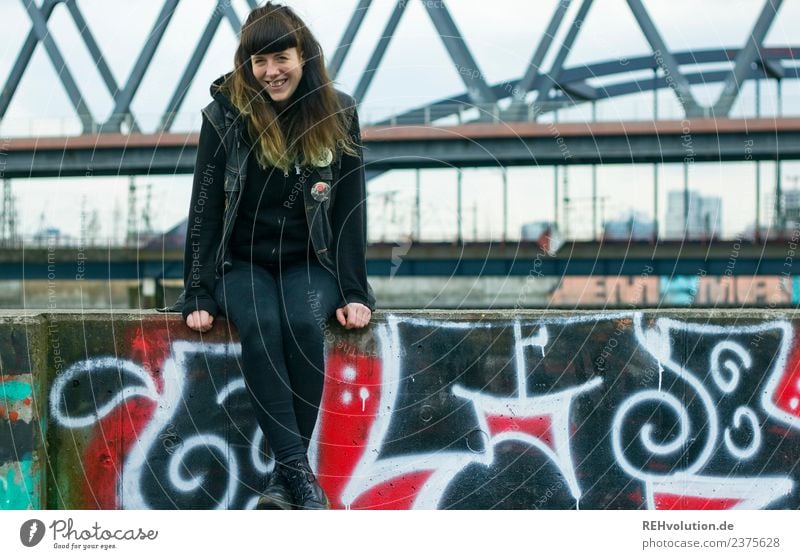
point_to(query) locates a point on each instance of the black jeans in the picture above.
(281, 315)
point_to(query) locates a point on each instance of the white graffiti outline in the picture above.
(743, 412)
(750, 495)
(174, 375)
(445, 466)
(173, 371)
(86, 367)
(729, 385)
(752, 492)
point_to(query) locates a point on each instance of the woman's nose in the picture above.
(272, 69)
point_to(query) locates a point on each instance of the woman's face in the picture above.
(278, 72)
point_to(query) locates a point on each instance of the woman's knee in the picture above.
(249, 299)
(305, 325)
(309, 307)
(258, 322)
(311, 299)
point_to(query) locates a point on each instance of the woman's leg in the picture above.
(248, 295)
(310, 295)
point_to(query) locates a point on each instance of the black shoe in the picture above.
(276, 495)
(304, 487)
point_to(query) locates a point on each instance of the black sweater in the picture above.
(266, 229)
(271, 222)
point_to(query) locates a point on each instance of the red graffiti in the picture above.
(667, 501)
(116, 433)
(349, 407)
(786, 396)
(112, 438)
(539, 427)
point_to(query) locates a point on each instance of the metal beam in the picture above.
(191, 68)
(665, 59)
(230, 15)
(60, 66)
(583, 150)
(574, 77)
(97, 55)
(124, 99)
(772, 68)
(23, 59)
(475, 259)
(579, 90)
(475, 145)
(479, 92)
(525, 84)
(567, 266)
(223, 8)
(746, 57)
(553, 77)
(348, 37)
(380, 50)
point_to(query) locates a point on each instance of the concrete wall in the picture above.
(442, 292)
(664, 409)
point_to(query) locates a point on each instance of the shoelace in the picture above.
(296, 473)
(278, 475)
(301, 470)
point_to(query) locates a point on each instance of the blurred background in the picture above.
(520, 154)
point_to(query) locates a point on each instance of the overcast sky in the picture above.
(416, 69)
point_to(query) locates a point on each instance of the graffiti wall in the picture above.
(21, 439)
(629, 410)
(610, 411)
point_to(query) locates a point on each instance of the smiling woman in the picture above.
(277, 233)
(279, 72)
(276, 45)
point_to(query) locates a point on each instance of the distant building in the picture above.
(791, 207)
(704, 219)
(771, 227)
(48, 236)
(632, 226)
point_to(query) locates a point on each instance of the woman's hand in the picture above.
(200, 321)
(353, 315)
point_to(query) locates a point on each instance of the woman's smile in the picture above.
(279, 72)
(276, 84)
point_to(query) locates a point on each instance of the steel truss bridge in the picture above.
(511, 123)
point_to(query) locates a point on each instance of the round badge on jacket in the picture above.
(325, 159)
(321, 191)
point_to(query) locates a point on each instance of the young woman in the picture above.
(276, 237)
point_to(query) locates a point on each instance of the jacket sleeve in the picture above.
(204, 224)
(349, 220)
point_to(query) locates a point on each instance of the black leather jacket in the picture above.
(324, 232)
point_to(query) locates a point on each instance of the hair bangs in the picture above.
(270, 34)
(312, 125)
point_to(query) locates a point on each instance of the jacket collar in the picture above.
(219, 96)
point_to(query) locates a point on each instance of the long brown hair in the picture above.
(313, 121)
